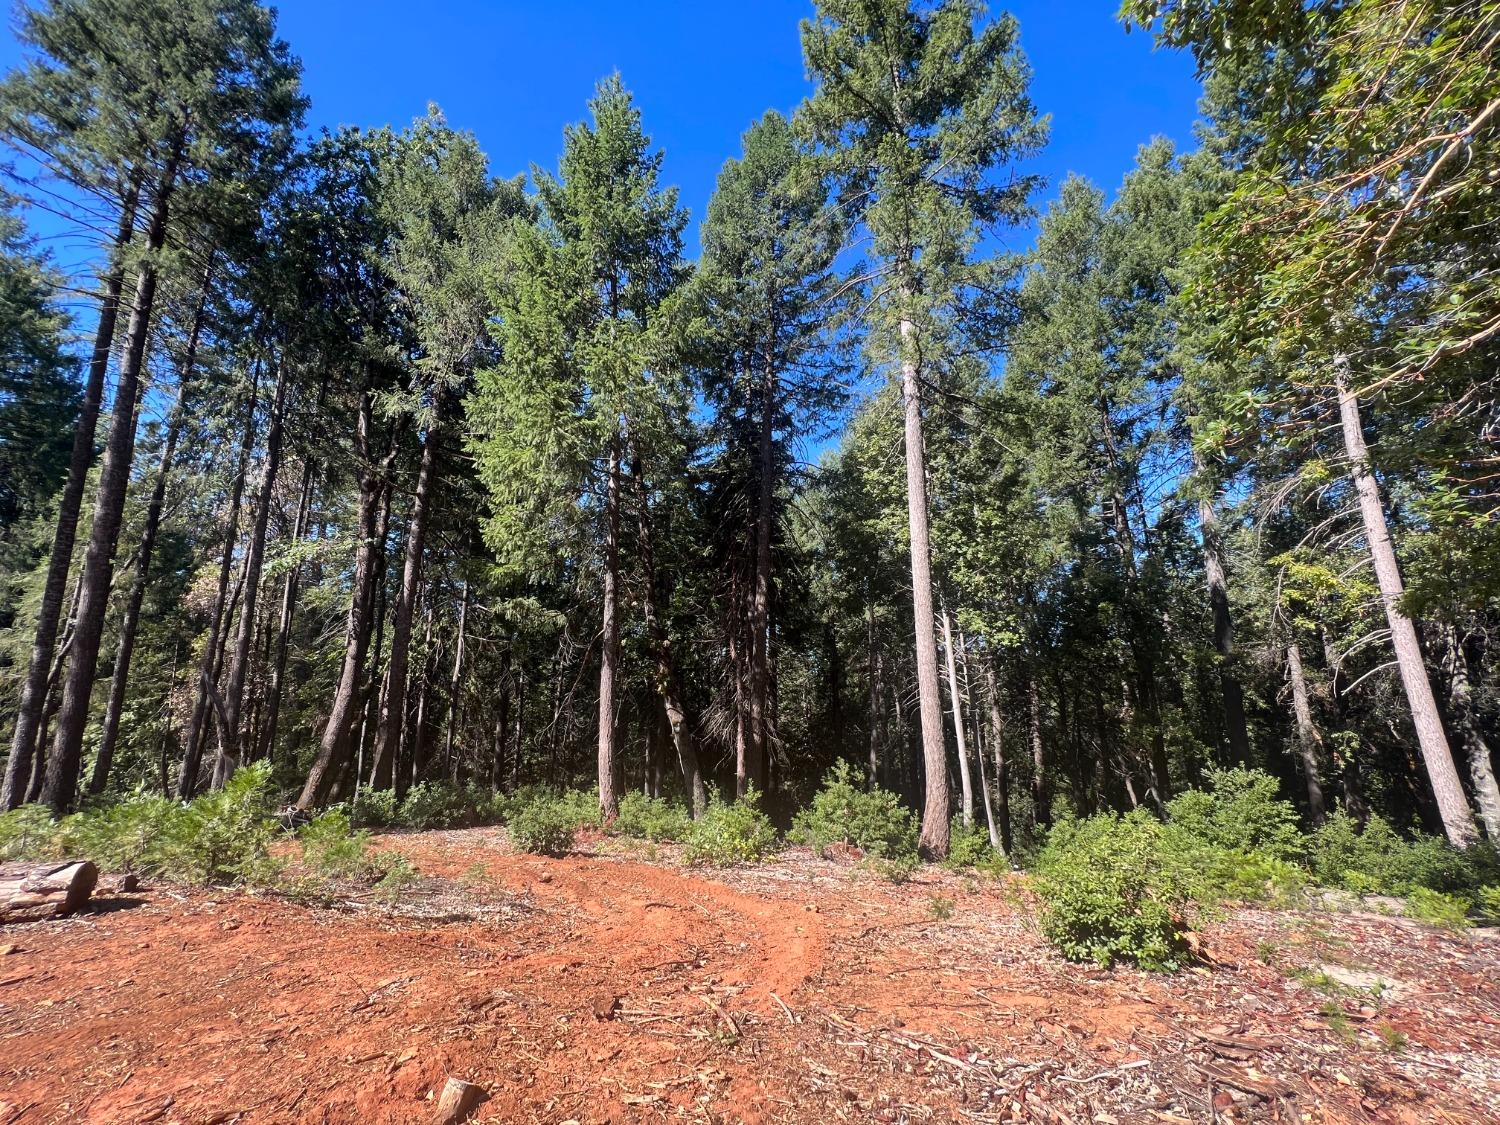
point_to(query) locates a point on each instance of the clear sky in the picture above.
(516, 73)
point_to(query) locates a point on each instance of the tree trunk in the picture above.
(758, 738)
(933, 842)
(455, 681)
(129, 623)
(333, 747)
(60, 562)
(1309, 742)
(1040, 803)
(609, 661)
(874, 692)
(63, 765)
(1476, 749)
(221, 615)
(997, 745)
(1231, 694)
(668, 684)
(289, 590)
(984, 784)
(233, 745)
(1453, 806)
(965, 781)
(393, 704)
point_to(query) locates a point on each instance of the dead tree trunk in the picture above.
(1453, 806)
(32, 892)
(1231, 694)
(609, 662)
(965, 781)
(997, 747)
(1309, 741)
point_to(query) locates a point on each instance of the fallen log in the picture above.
(31, 892)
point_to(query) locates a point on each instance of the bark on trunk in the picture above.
(334, 746)
(758, 737)
(233, 745)
(966, 783)
(289, 590)
(18, 768)
(1476, 748)
(933, 842)
(1309, 741)
(66, 758)
(1453, 806)
(668, 684)
(455, 682)
(207, 679)
(997, 747)
(393, 703)
(129, 623)
(1040, 801)
(609, 662)
(1231, 694)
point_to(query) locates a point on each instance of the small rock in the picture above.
(7, 950)
(544, 877)
(605, 1007)
(457, 1101)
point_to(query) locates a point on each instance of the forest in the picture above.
(407, 473)
(1132, 546)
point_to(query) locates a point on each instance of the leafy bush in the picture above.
(545, 827)
(845, 812)
(1439, 909)
(396, 874)
(968, 847)
(1380, 861)
(1240, 811)
(141, 834)
(435, 804)
(728, 834)
(373, 808)
(650, 818)
(225, 836)
(26, 832)
(331, 847)
(1112, 891)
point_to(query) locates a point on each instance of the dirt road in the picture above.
(605, 988)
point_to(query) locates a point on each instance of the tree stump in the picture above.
(31, 892)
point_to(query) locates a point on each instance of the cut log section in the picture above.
(31, 892)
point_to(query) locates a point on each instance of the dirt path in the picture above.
(601, 988)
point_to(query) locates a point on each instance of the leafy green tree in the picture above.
(916, 107)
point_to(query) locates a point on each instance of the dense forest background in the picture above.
(387, 471)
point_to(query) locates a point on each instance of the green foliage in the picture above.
(546, 826)
(1111, 891)
(968, 847)
(1451, 911)
(331, 847)
(731, 833)
(436, 804)
(374, 808)
(1240, 811)
(941, 907)
(26, 832)
(844, 811)
(648, 818)
(226, 835)
(397, 875)
(139, 834)
(1380, 861)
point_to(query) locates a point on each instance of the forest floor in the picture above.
(617, 986)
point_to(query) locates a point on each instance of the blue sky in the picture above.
(516, 73)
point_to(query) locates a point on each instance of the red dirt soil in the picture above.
(601, 988)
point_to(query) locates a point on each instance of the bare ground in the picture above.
(606, 988)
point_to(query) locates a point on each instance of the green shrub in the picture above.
(1380, 861)
(435, 804)
(728, 834)
(1439, 909)
(373, 808)
(968, 847)
(225, 835)
(650, 818)
(1240, 811)
(396, 875)
(331, 847)
(582, 806)
(1111, 890)
(140, 834)
(844, 811)
(27, 832)
(545, 827)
